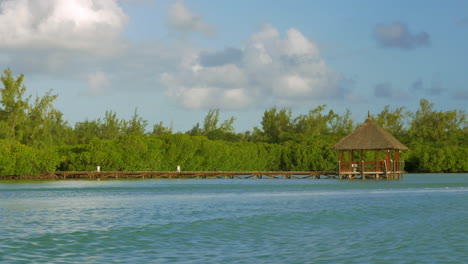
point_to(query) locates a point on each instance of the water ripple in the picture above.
(411, 221)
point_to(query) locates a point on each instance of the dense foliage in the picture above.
(35, 139)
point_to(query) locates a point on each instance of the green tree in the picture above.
(429, 125)
(195, 131)
(341, 125)
(14, 107)
(277, 126)
(111, 127)
(160, 129)
(46, 126)
(212, 129)
(393, 121)
(136, 125)
(87, 130)
(19, 159)
(38, 124)
(315, 123)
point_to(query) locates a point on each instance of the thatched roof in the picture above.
(369, 136)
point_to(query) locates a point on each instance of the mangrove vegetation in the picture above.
(35, 138)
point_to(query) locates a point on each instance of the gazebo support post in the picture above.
(385, 169)
(362, 164)
(339, 170)
(362, 170)
(376, 160)
(397, 161)
(388, 168)
(341, 163)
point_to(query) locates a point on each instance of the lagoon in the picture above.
(420, 219)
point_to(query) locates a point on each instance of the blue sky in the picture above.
(175, 60)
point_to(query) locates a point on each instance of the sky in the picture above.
(172, 61)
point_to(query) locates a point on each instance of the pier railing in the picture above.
(371, 166)
(362, 166)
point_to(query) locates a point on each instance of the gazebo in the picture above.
(370, 152)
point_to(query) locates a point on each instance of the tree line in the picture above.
(35, 138)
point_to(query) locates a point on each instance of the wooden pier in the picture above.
(201, 175)
(314, 175)
(69, 175)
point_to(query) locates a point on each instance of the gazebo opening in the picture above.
(370, 152)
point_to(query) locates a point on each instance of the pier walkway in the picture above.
(63, 175)
(201, 175)
(314, 175)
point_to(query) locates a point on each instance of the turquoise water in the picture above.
(421, 219)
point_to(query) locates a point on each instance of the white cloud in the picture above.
(196, 97)
(98, 83)
(292, 86)
(226, 75)
(79, 25)
(298, 44)
(269, 69)
(67, 38)
(235, 98)
(181, 19)
(200, 97)
(200, 87)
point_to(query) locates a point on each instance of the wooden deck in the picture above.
(371, 170)
(372, 175)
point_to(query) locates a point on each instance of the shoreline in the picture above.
(87, 175)
(79, 175)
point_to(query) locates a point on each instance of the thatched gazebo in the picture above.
(356, 159)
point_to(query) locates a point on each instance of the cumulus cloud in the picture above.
(70, 37)
(267, 68)
(182, 20)
(90, 25)
(200, 87)
(398, 35)
(298, 44)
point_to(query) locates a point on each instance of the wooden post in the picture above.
(376, 160)
(385, 168)
(350, 160)
(397, 159)
(340, 160)
(392, 169)
(361, 152)
(339, 169)
(362, 170)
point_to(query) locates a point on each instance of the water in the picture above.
(421, 219)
